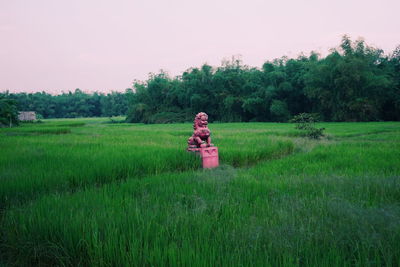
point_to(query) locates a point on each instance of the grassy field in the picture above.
(91, 193)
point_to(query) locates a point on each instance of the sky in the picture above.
(96, 45)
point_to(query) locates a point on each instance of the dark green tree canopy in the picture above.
(8, 111)
(355, 82)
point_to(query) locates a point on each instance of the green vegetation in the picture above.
(306, 122)
(33, 155)
(8, 112)
(72, 104)
(355, 82)
(93, 193)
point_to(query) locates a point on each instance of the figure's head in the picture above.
(201, 119)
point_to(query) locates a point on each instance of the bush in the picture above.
(306, 122)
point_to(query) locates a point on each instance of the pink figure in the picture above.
(201, 135)
(200, 141)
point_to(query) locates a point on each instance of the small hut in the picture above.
(27, 116)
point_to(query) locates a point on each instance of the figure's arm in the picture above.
(209, 141)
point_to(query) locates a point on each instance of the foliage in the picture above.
(279, 110)
(306, 122)
(72, 104)
(354, 82)
(8, 111)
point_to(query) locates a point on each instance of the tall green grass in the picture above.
(277, 199)
(36, 159)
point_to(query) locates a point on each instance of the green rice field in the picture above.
(87, 192)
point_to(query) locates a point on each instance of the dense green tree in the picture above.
(355, 82)
(73, 104)
(8, 111)
(391, 98)
(350, 84)
(279, 111)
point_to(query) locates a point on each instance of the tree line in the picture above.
(72, 104)
(354, 82)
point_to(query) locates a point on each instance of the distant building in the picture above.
(27, 116)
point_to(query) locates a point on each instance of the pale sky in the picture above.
(94, 45)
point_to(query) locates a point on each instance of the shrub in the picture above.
(306, 122)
